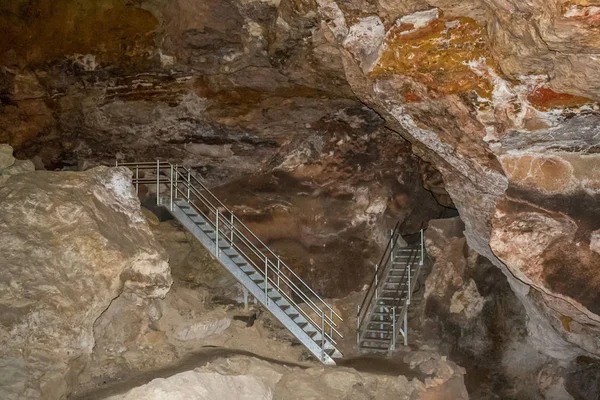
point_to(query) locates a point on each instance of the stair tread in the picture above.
(376, 340)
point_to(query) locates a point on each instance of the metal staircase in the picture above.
(281, 291)
(382, 316)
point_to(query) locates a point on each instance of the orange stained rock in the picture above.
(546, 99)
(437, 55)
(411, 97)
(585, 11)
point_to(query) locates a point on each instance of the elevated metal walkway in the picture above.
(382, 316)
(279, 289)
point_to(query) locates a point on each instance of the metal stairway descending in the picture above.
(244, 255)
(382, 316)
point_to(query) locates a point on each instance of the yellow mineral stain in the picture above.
(437, 55)
(566, 322)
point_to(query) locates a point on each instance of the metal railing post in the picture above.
(358, 325)
(137, 180)
(376, 281)
(330, 323)
(266, 280)
(391, 247)
(406, 327)
(394, 328)
(189, 183)
(217, 234)
(278, 271)
(422, 248)
(176, 179)
(171, 188)
(157, 182)
(322, 336)
(409, 287)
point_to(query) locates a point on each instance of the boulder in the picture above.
(70, 244)
(6, 156)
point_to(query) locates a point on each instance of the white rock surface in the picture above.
(202, 330)
(242, 377)
(6, 156)
(201, 386)
(70, 243)
(18, 167)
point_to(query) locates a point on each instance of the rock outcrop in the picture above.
(488, 95)
(250, 378)
(498, 96)
(71, 244)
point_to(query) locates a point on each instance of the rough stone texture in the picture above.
(499, 96)
(249, 378)
(70, 243)
(471, 315)
(488, 95)
(6, 156)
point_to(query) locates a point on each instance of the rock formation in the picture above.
(250, 378)
(491, 103)
(499, 98)
(71, 245)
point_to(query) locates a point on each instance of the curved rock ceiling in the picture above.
(501, 96)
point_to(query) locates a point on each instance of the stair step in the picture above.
(370, 348)
(378, 331)
(379, 323)
(376, 340)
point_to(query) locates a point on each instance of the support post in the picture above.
(358, 326)
(278, 270)
(330, 322)
(189, 182)
(409, 289)
(217, 234)
(322, 336)
(393, 328)
(171, 188)
(266, 280)
(245, 292)
(376, 281)
(176, 181)
(137, 180)
(391, 246)
(422, 248)
(157, 182)
(231, 227)
(406, 327)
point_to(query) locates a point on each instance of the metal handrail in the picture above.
(257, 252)
(271, 266)
(228, 229)
(282, 263)
(380, 271)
